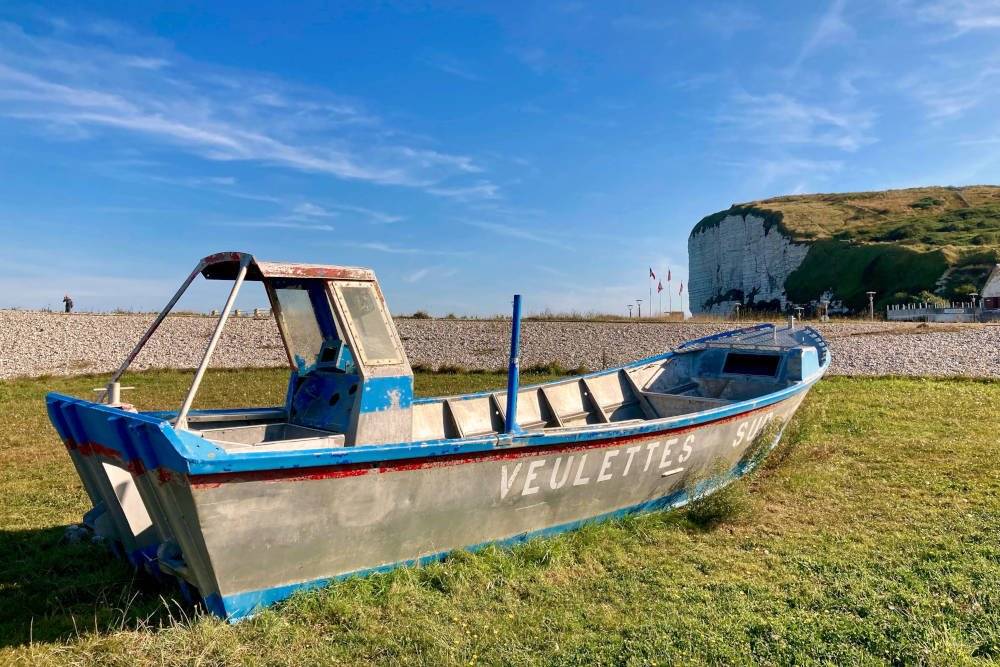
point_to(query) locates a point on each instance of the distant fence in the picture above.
(925, 312)
(256, 312)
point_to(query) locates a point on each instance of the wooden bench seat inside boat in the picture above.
(475, 416)
(575, 402)
(616, 396)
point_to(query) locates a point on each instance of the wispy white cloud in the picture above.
(371, 214)
(951, 89)
(277, 224)
(832, 29)
(379, 246)
(511, 231)
(225, 185)
(433, 272)
(779, 119)
(59, 79)
(452, 66)
(311, 210)
(795, 174)
(333, 210)
(962, 16)
(552, 271)
(464, 193)
(416, 276)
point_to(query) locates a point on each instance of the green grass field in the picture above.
(871, 535)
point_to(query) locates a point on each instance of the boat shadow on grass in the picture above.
(52, 590)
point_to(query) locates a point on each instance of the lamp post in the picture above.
(871, 305)
(638, 302)
(973, 297)
(629, 306)
(798, 312)
(736, 308)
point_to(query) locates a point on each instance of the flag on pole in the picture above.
(682, 287)
(659, 287)
(651, 274)
(668, 274)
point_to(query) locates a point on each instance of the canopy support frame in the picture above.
(181, 420)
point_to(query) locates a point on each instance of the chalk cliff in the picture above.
(740, 259)
(917, 244)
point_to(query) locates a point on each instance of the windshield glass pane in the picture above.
(369, 325)
(305, 338)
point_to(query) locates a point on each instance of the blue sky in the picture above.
(465, 151)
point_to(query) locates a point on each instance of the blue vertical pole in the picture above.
(513, 368)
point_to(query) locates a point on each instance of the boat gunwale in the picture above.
(524, 444)
(420, 462)
(195, 456)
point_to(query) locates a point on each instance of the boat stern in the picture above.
(132, 467)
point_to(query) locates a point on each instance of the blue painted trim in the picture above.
(185, 452)
(249, 412)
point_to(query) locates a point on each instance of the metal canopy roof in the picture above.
(226, 266)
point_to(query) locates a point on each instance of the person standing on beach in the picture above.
(69, 303)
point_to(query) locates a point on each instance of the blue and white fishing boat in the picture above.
(354, 475)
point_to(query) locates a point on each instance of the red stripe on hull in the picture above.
(97, 449)
(283, 475)
(406, 465)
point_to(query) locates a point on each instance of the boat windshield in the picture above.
(302, 329)
(367, 320)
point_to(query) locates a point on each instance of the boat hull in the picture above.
(269, 533)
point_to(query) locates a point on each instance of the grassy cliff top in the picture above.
(924, 218)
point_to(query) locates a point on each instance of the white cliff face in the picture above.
(992, 288)
(738, 254)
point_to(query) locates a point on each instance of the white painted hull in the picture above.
(267, 536)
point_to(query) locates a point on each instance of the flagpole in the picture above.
(670, 293)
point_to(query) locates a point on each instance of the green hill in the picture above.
(907, 245)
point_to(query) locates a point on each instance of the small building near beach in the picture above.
(991, 291)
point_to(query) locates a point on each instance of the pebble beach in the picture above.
(35, 343)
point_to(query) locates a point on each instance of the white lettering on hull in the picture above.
(507, 481)
(751, 428)
(561, 468)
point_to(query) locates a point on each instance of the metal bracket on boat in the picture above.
(111, 394)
